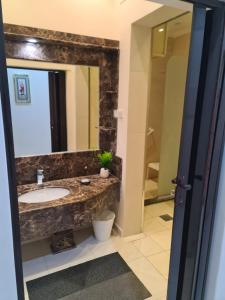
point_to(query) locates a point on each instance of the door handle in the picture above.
(180, 184)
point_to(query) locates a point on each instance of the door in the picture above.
(57, 97)
(201, 106)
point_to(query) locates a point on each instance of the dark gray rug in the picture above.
(107, 277)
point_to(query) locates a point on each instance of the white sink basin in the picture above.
(44, 195)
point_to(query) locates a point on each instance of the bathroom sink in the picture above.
(44, 195)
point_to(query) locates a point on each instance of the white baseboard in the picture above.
(118, 229)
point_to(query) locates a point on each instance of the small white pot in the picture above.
(104, 173)
(102, 224)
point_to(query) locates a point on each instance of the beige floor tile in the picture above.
(154, 224)
(147, 246)
(169, 225)
(155, 210)
(129, 252)
(162, 225)
(134, 237)
(163, 238)
(150, 277)
(170, 204)
(161, 262)
(104, 248)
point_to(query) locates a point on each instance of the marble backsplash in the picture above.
(62, 165)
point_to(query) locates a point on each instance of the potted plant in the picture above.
(105, 160)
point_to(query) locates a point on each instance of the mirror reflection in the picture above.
(54, 107)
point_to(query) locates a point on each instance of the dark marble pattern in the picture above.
(69, 48)
(49, 35)
(78, 192)
(74, 211)
(116, 167)
(62, 165)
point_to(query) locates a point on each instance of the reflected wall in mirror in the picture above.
(62, 113)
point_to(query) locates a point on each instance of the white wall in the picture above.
(75, 16)
(131, 138)
(82, 106)
(79, 16)
(31, 122)
(216, 272)
(94, 107)
(133, 90)
(8, 290)
(176, 73)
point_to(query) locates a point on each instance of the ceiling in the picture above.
(179, 26)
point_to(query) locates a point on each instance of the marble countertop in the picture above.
(78, 192)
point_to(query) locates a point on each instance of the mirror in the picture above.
(55, 107)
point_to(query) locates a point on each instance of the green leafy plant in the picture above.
(105, 159)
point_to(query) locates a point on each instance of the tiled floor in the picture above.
(147, 254)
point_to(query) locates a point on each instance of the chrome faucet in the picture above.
(40, 176)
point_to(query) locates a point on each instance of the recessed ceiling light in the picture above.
(32, 41)
(161, 29)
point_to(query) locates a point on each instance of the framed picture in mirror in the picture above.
(22, 89)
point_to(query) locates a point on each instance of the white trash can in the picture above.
(102, 224)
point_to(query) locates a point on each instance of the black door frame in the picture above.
(199, 203)
(204, 132)
(187, 153)
(214, 160)
(210, 199)
(6, 115)
(207, 3)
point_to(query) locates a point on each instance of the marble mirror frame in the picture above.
(36, 44)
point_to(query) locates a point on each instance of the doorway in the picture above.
(207, 35)
(165, 107)
(182, 231)
(168, 73)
